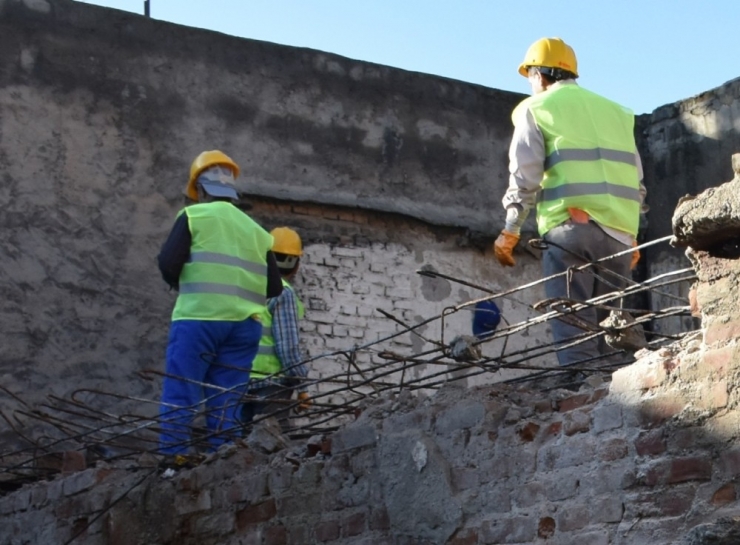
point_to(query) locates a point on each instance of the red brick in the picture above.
(546, 527)
(693, 468)
(657, 474)
(573, 402)
(717, 360)
(716, 331)
(379, 519)
(327, 531)
(663, 503)
(613, 449)
(254, 514)
(694, 305)
(724, 495)
(599, 394)
(650, 443)
(353, 525)
(553, 429)
(528, 432)
(275, 535)
(464, 537)
(657, 410)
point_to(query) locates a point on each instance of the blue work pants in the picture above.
(202, 353)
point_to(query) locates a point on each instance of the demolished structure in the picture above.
(394, 179)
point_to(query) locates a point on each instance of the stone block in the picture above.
(576, 422)
(529, 494)
(725, 426)
(608, 509)
(275, 535)
(642, 375)
(606, 417)
(561, 485)
(464, 415)
(193, 502)
(509, 530)
(353, 436)
(249, 488)
(77, 482)
(574, 452)
(214, 523)
(573, 518)
(613, 449)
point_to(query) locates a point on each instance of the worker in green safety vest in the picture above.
(278, 368)
(573, 157)
(220, 262)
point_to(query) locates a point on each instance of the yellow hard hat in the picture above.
(286, 241)
(203, 161)
(550, 53)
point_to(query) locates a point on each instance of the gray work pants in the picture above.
(590, 243)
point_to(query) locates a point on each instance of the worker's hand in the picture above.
(305, 402)
(504, 246)
(635, 256)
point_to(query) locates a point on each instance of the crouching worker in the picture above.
(278, 369)
(220, 261)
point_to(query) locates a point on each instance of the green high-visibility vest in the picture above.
(225, 277)
(591, 158)
(266, 362)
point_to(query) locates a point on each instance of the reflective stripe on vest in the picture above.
(591, 159)
(267, 362)
(226, 275)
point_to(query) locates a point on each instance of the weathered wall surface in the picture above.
(101, 113)
(650, 459)
(684, 148)
(644, 463)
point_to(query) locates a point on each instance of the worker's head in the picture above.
(288, 250)
(548, 60)
(212, 176)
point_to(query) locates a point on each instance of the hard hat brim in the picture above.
(219, 189)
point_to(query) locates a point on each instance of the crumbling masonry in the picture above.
(393, 179)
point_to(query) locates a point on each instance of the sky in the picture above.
(642, 54)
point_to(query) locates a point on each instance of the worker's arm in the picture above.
(526, 169)
(285, 333)
(175, 252)
(274, 280)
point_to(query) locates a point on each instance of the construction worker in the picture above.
(278, 368)
(573, 157)
(220, 261)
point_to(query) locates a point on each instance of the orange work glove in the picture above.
(504, 246)
(635, 256)
(305, 402)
